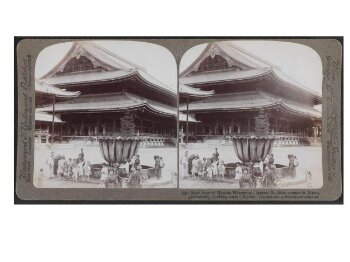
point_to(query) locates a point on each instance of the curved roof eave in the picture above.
(279, 103)
(148, 79)
(291, 83)
(194, 92)
(45, 89)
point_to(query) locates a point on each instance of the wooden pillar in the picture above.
(315, 129)
(141, 125)
(82, 127)
(153, 127)
(276, 123)
(187, 101)
(114, 125)
(248, 124)
(53, 120)
(233, 125)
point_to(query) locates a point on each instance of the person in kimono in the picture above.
(195, 166)
(157, 166)
(200, 168)
(221, 169)
(104, 176)
(215, 168)
(184, 165)
(50, 163)
(87, 170)
(60, 167)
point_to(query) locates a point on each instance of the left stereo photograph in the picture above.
(105, 116)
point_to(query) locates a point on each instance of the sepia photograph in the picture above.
(190, 120)
(253, 116)
(105, 116)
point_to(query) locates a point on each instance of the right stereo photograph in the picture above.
(251, 116)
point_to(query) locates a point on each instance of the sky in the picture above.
(299, 62)
(157, 60)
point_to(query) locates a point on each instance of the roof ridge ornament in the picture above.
(214, 50)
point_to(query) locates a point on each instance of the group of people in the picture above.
(129, 171)
(67, 169)
(262, 173)
(207, 168)
(78, 169)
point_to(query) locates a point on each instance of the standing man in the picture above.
(81, 156)
(216, 154)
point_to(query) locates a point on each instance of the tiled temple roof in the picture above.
(49, 90)
(186, 90)
(121, 101)
(114, 67)
(248, 101)
(248, 67)
(46, 117)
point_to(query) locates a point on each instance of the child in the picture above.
(75, 171)
(81, 169)
(41, 177)
(195, 166)
(65, 168)
(238, 171)
(60, 167)
(104, 175)
(200, 168)
(87, 170)
(161, 165)
(209, 173)
(70, 171)
(215, 169)
(221, 169)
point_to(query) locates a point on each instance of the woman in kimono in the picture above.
(195, 166)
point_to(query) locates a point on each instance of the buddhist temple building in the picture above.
(45, 122)
(110, 87)
(225, 87)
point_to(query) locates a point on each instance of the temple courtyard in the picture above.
(93, 155)
(309, 157)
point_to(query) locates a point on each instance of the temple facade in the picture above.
(230, 86)
(45, 122)
(110, 87)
